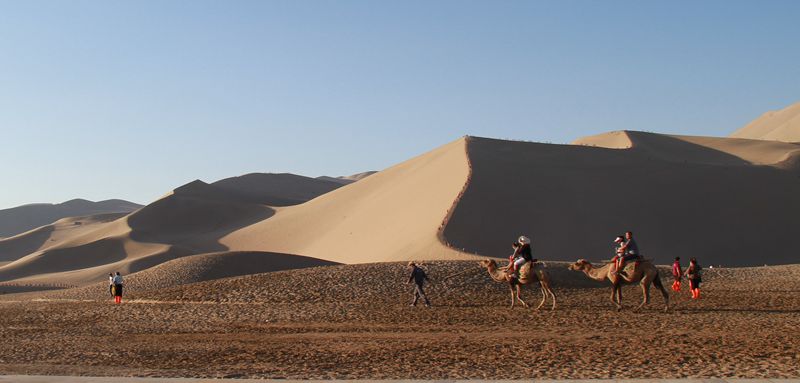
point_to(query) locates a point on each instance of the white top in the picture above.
(110, 280)
(117, 279)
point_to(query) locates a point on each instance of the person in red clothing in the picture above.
(677, 274)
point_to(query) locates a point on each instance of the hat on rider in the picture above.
(524, 240)
(619, 239)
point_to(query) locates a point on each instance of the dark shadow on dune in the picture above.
(194, 218)
(672, 149)
(572, 201)
(12, 249)
(104, 251)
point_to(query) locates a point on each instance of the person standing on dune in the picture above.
(111, 284)
(694, 272)
(419, 277)
(677, 274)
(118, 282)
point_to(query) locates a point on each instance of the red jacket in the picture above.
(676, 269)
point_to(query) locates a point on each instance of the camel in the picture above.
(528, 275)
(643, 272)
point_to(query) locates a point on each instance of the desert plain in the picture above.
(284, 276)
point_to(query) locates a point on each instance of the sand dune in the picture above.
(574, 199)
(277, 189)
(23, 218)
(189, 220)
(52, 235)
(780, 125)
(348, 179)
(695, 149)
(726, 201)
(194, 269)
(389, 216)
(358, 176)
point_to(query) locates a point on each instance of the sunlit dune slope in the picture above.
(389, 216)
(779, 125)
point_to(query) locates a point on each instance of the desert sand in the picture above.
(186, 221)
(679, 197)
(727, 201)
(20, 219)
(353, 321)
(777, 125)
(284, 276)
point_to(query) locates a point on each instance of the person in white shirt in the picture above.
(118, 282)
(111, 284)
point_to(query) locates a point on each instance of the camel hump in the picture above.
(525, 270)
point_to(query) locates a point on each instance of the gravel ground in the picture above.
(354, 321)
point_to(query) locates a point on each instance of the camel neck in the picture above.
(598, 274)
(496, 274)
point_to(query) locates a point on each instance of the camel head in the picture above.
(580, 265)
(488, 264)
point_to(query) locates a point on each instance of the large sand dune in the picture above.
(682, 196)
(779, 125)
(726, 201)
(20, 219)
(189, 220)
(696, 149)
(392, 215)
(277, 189)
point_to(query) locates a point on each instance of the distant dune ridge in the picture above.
(20, 219)
(187, 221)
(726, 201)
(348, 179)
(780, 125)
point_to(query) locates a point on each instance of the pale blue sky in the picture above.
(113, 99)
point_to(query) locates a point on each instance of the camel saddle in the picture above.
(630, 266)
(525, 271)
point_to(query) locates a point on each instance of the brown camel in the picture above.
(643, 272)
(528, 275)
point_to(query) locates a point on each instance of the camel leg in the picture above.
(614, 299)
(544, 295)
(513, 297)
(552, 295)
(519, 296)
(657, 283)
(645, 292)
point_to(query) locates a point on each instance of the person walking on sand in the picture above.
(419, 277)
(677, 274)
(694, 273)
(111, 284)
(118, 283)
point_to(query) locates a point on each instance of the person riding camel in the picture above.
(629, 251)
(618, 252)
(522, 254)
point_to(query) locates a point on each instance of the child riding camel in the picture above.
(629, 250)
(522, 254)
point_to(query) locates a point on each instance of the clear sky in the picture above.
(130, 99)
